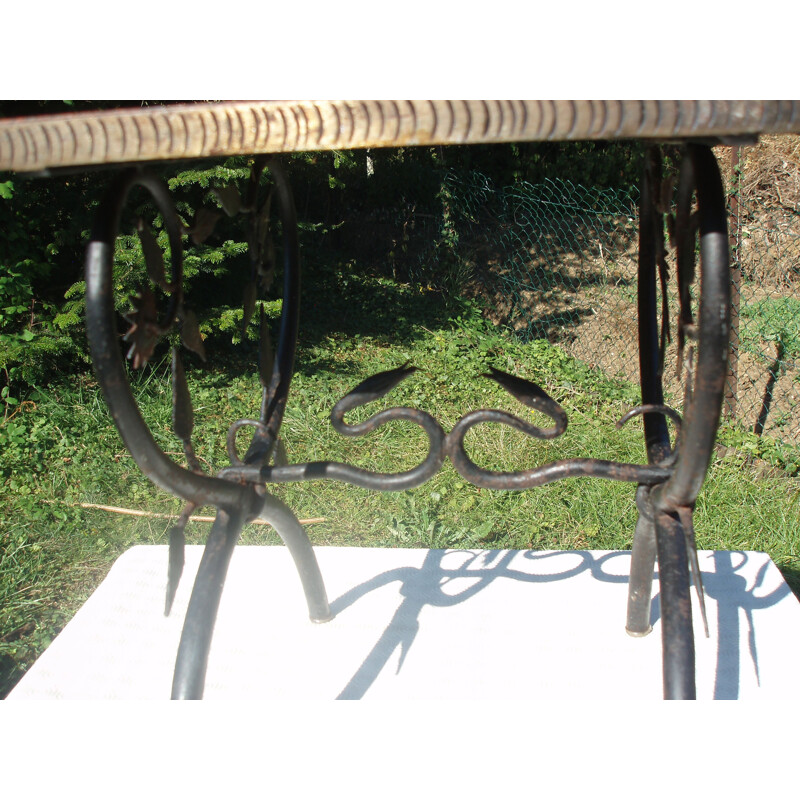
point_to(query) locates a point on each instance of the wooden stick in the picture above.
(135, 513)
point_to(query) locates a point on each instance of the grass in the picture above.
(773, 319)
(60, 449)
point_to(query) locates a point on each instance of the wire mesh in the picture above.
(767, 252)
(557, 260)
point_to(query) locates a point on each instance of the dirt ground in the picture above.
(608, 340)
(604, 334)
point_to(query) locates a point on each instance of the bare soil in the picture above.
(608, 340)
(603, 327)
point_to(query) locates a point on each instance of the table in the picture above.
(667, 486)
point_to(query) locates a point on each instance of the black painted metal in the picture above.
(666, 510)
(366, 392)
(677, 635)
(276, 393)
(650, 366)
(282, 518)
(237, 502)
(539, 476)
(103, 338)
(650, 371)
(667, 486)
(703, 413)
(452, 445)
(189, 677)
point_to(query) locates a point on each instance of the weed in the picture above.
(773, 319)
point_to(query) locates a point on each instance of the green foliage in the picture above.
(751, 447)
(773, 319)
(31, 348)
(218, 175)
(606, 165)
(337, 194)
(359, 316)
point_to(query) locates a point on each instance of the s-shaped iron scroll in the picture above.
(536, 398)
(367, 391)
(452, 445)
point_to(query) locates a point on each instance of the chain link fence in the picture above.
(765, 245)
(559, 261)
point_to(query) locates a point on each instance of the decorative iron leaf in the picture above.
(262, 220)
(249, 305)
(281, 458)
(665, 201)
(190, 334)
(523, 390)
(694, 226)
(144, 331)
(177, 541)
(671, 234)
(204, 222)
(229, 198)
(266, 355)
(182, 411)
(266, 266)
(191, 459)
(265, 245)
(685, 516)
(153, 257)
(380, 384)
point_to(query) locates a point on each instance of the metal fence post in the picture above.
(735, 241)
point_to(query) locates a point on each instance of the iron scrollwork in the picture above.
(237, 503)
(667, 485)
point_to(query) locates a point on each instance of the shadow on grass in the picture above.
(558, 326)
(349, 303)
(344, 304)
(10, 674)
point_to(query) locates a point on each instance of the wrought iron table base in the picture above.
(668, 484)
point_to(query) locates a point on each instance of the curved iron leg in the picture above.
(677, 634)
(192, 660)
(643, 555)
(650, 367)
(655, 535)
(702, 416)
(678, 495)
(676, 498)
(190, 665)
(282, 518)
(276, 392)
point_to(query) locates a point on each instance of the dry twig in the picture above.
(155, 515)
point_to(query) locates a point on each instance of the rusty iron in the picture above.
(236, 503)
(665, 510)
(667, 486)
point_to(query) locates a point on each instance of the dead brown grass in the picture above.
(769, 209)
(770, 171)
